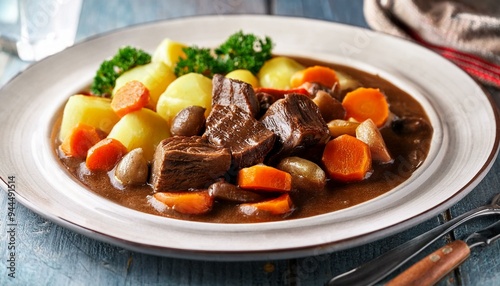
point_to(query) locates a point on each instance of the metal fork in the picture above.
(378, 268)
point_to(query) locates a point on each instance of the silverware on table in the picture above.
(378, 268)
(8, 45)
(436, 265)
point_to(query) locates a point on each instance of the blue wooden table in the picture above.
(47, 254)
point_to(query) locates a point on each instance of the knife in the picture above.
(436, 265)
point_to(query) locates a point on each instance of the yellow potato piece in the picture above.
(143, 128)
(156, 76)
(346, 81)
(244, 75)
(189, 89)
(168, 52)
(91, 110)
(276, 72)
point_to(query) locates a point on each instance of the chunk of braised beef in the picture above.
(265, 100)
(228, 192)
(248, 139)
(183, 163)
(226, 91)
(298, 124)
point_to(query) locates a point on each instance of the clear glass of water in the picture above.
(46, 27)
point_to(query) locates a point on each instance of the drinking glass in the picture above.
(46, 27)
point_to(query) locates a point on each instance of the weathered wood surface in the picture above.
(47, 254)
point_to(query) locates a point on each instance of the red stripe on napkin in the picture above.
(484, 71)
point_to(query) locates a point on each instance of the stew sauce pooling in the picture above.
(407, 136)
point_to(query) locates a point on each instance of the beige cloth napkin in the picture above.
(465, 31)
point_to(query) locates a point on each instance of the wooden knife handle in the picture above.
(433, 267)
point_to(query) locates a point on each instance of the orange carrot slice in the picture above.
(366, 103)
(319, 74)
(347, 159)
(199, 202)
(278, 206)
(79, 141)
(131, 97)
(104, 155)
(264, 178)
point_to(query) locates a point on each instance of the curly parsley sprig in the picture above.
(239, 51)
(125, 59)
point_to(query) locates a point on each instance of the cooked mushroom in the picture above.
(329, 107)
(132, 169)
(306, 175)
(189, 121)
(410, 125)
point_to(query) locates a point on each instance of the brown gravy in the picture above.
(408, 151)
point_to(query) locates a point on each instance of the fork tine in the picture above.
(496, 200)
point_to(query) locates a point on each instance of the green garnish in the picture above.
(239, 51)
(125, 59)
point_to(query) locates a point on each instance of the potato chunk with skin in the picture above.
(156, 76)
(277, 72)
(187, 90)
(141, 129)
(89, 110)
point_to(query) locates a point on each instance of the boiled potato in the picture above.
(156, 76)
(143, 128)
(91, 110)
(189, 89)
(276, 72)
(244, 75)
(168, 52)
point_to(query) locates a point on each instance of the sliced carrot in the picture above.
(131, 97)
(199, 202)
(264, 178)
(104, 155)
(319, 74)
(79, 141)
(366, 103)
(280, 93)
(278, 206)
(347, 159)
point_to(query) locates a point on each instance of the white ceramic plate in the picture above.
(465, 142)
